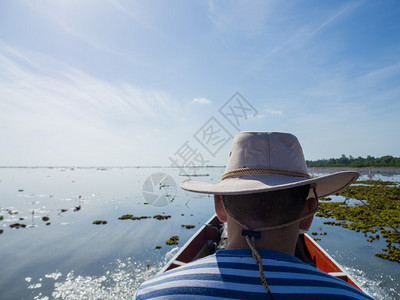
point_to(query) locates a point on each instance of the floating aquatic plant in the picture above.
(376, 182)
(173, 240)
(17, 225)
(132, 217)
(160, 217)
(98, 222)
(188, 226)
(325, 199)
(381, 210)
(125, 217)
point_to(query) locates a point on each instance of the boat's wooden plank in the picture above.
(326, 263)
(178, 263)
(341, 275)
(197, 245)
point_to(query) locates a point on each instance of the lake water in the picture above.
(68, 257)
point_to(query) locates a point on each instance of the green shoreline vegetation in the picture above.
(359, 162)
(378, 218)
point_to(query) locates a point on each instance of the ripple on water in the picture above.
(120, 283)
(375, 288)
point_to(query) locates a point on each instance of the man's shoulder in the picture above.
(163, 281)
(234, 274)
(205, 262)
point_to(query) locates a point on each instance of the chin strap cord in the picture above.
(251, 241)
(252, 235)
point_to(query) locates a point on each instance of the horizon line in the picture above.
(104, 167)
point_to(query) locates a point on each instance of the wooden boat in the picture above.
(205, 241)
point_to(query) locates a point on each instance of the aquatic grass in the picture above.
(379, 209)
(325, 199)
(160, 217)
(187, 226)
(17, 225)
(100, 222)
(377, 182)
(173, 240)
(132, 217)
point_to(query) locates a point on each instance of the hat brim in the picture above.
(249, 184)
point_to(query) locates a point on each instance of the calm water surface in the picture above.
(68, 257)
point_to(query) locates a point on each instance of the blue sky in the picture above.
(88, 82)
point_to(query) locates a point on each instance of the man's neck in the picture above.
(282, 240)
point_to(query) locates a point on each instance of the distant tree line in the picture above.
(369, 161)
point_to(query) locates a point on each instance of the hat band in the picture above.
(244, 171)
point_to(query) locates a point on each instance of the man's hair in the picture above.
(275, 207)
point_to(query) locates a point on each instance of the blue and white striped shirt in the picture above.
(233, 274)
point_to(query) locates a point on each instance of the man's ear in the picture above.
(310, 205)
(219, 208)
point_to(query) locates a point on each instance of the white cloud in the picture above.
(337, 15)
(137, 15)
(60, 14)
(273, 112)
(59, 87)
(201, 101)
(239, 16)
(59, 115)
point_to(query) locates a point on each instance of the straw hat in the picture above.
(268, 161)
